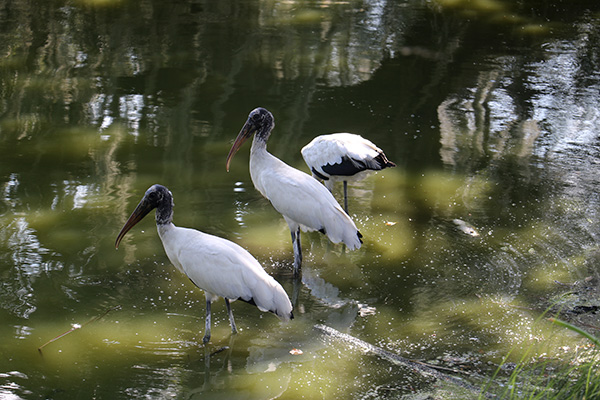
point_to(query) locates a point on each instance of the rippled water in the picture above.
(489, 109)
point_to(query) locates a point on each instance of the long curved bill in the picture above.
(247, 130)
(142, 209)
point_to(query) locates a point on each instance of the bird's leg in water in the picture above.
(297, 251)
(346, 197)
(231, 320)
(206, 337)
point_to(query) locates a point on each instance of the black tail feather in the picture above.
(383, 162)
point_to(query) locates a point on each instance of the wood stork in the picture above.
(304, 203)
(343, 157)
(219, 267)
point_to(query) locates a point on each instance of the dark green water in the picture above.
(489, 108)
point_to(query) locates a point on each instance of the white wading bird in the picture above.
(302, 200)
(343, 157)
(219, 267)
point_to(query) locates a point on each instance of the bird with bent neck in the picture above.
(343, 157)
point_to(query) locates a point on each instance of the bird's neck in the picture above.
(261, 162)
(259, 144)
(164, 212)
(163, 229)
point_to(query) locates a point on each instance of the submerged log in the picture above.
(396, 359)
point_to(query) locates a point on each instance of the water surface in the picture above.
(489, 109)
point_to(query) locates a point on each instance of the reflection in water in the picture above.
(28, 258)
(545, 121)
(164, 383)
(342, 48)
(221, 375)
(130, 109)
(538, 114)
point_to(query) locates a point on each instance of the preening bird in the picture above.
(304, 203)
(343, 157)
(219, 267)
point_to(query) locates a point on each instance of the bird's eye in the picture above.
(152, 196)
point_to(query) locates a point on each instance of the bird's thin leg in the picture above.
(299, 247)
(346, 197)
(207, 324)
(297, 250)
(231, 320)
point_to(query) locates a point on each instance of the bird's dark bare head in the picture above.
(263, 122)
(259, 122)
(157, 196)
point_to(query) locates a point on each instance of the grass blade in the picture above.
(577, 330)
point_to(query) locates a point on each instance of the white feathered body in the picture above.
(300, 198)
(223, 269)
(360, 154)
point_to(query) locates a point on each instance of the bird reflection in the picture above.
(225, 365)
